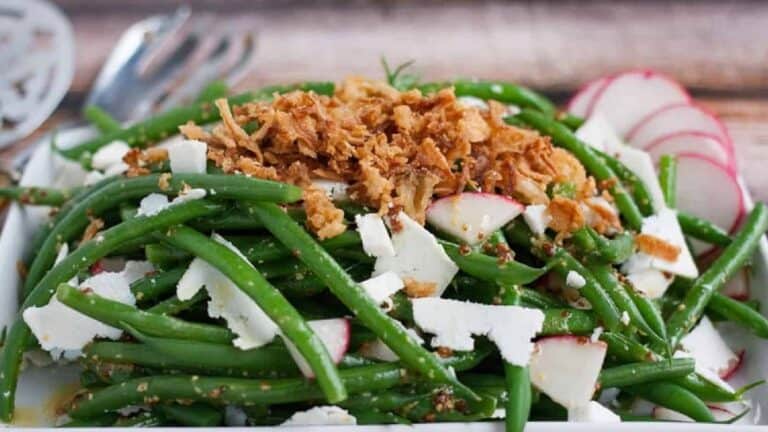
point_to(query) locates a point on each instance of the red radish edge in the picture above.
(707, 112)
(96, 268)
(731, 158)
(731, 371)
(596, 83)
(646, 72)
(742, 207)
(345, 346)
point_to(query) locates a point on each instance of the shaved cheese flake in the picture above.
(664, 225)
(537, 218)
(152, 204)
(321, 416)
(188, 156)
(243, 316)
(592, 412)
(374, 235)
(454, 323)
(135, 270)
(109, 155)
(380, 288)
(59, 327)
(418, 256)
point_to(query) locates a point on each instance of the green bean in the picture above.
(644, 372)
(35, 195)
(517, 379)
(154, 286)
(110, 194)
(567, 321)
(124, 316)
(668, 179)
(639, 190)
(562, 263)
(674, 397)
(626, 349)
(426, 410)
(249, 392)
(173, 306)
(571, 121)
(269, 299)
(703, 230)
(650, 312)
(196, 415)
(143, 419)
(489, 269)
(613, 251)
(606, 277)
(725, 266)
(391, 332)
(215, 89)
(739, 313)
(156, 128)
(706, 390)
(562, 137)
(89, 252)
(367, 416)
(503, 92)
(164, 257)
(102, 120)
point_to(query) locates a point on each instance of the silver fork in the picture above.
(163, 61)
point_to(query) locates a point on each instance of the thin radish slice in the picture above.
(631, 96)
(738, 288)
(734, 367)
(709, 190)
(692, 142)
(472, 216)
(334, 333)
(584, 97)
(674, 118)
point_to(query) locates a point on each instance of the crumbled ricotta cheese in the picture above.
(374, 235)
(188, 156)
(321, 416)
(454, 323)
(575, 280)
(418, 256)
(664, 225)
(154, 203)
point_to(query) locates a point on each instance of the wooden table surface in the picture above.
(719, 49)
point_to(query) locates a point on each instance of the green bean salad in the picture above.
(395, 252)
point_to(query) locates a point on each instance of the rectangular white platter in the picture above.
(40, 389)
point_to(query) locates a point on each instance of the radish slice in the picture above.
(738, 288)
(566, 368)
(692, 142)
(709, 190)
(734, 366)
(666, 414)
(584, 97)
(334, 333)
(629, 97)
(708, 348)
(675, 118)
(472, 216)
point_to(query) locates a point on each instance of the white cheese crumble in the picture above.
(454, 323)
(109, 155)
(154, 203)
(380, 288)
(418, 256)
(624, 318)
(243, 316)
(336, 190)
(537, 218)
(188, 156)
(575, 280)
(321, 416)
(592, 412)
(596, 333)
(374, 235)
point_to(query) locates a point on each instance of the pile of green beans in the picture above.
(180, 364)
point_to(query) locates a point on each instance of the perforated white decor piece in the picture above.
(37, 62)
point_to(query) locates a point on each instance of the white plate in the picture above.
(39, 388)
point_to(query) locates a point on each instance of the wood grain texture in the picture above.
(717, 48)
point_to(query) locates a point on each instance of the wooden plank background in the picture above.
(719, 49)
